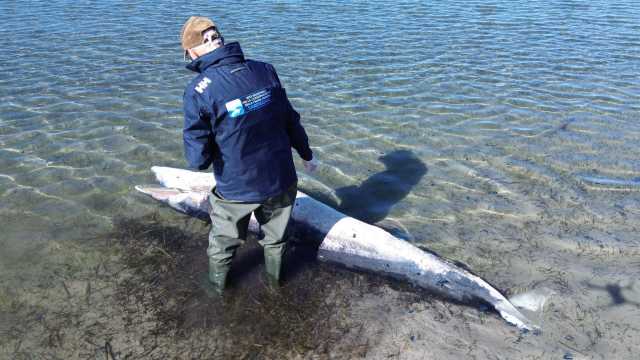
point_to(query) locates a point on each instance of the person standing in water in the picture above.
(237, 117)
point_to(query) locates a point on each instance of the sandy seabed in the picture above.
(141, 292)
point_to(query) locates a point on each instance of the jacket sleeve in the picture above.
(297, 136)
(196, 133)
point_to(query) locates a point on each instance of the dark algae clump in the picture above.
(252, 319)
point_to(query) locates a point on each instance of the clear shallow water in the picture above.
(510, 131)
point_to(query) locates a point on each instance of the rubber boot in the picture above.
(273, 267)
(218, 277)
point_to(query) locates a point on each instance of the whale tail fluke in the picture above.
(532, 300)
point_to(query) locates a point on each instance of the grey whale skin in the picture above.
(347, 241)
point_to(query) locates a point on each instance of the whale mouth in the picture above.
(157, 192)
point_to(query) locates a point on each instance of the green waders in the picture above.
(229, 223)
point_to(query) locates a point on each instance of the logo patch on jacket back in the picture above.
(202, 85)
(249, 103)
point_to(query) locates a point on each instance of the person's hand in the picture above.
(310, 165)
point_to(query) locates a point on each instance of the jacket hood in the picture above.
(228, 54)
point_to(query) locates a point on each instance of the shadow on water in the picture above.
(372, 200)
(615, 292)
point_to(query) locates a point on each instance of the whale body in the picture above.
(347, 241)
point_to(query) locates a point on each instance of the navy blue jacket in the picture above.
(238, 118)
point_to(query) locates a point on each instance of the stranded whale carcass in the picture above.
(347, 241)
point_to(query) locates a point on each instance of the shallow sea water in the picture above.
(500, 134)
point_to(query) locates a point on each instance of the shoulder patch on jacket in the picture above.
(202, 85)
